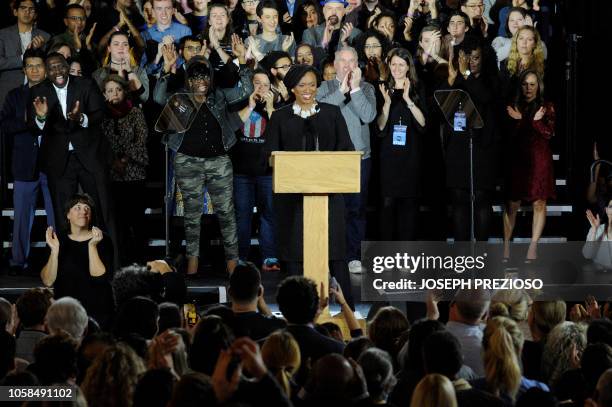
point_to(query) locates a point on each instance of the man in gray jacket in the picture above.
(357, 101)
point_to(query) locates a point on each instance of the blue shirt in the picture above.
(153, 33)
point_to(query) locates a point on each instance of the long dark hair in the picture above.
(532, 107)
(298, 25)
(411, 74)
(361, 41)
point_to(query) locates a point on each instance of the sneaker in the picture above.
(270, 264)
(355, 267)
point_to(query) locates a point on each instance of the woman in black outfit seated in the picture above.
(401, 124)
(306, 125)
(80, 261)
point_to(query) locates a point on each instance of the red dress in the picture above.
(532, 164)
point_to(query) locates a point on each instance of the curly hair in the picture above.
(536, 60)
(565, 341)
(361, 41)
(111, 379)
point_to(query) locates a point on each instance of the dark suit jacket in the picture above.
(59, 132)
(24, 139)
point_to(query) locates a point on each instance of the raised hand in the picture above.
(593, 219)
(408, 22)
(337, 294)
(40, 106)
(90, 36)
(269, 99)
(282, 89)
(344, 85)
(463, 62)
(345, 32)
(595, 152)
(286, 18)
(250, 356)
(96, 237)
(238, 48)
(355, 78)
(77, 40)
(37, 42)
(288, 41)
(539, 114)
(514, 113)
(52, 240)
(179, 17)
(385, 94)
(406, 92)
(75, 114)
(223, 387)
(212, 37)
(170, 57)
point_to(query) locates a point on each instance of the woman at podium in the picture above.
(307, 125)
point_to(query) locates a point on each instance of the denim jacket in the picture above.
(217, 101)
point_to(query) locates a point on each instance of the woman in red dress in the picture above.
(531, 172)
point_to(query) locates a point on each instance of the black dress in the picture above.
(73, 278)
(288, 132)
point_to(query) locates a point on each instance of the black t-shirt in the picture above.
(248, 155)
(255, 325)
(204, 138)
(73, 278)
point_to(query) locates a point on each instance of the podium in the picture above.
(316, 174)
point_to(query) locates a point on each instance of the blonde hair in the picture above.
(502, 343)
(434, 390)
(111, 379)
(546, 315)
(511, 304)
(536, 61)
(281, 354)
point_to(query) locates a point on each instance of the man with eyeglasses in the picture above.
(14, 41)
(278, 63)
(475, 11)
(175, 62)
(75, 20)
(28, 180)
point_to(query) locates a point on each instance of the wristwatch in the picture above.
(467, 73)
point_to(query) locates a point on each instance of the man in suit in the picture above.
(69, 111)
(332, 33)
(357, 101)
(28, 180)
(14, 41)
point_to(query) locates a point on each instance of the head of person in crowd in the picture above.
(356, 346)
(278, 64)
(8, 348)
(600, 331)
(67, 315)
(6, 314)
(112, 377)
(59, 47)
(516, 19)
(530, 97)
(333, 12)
(526, 51)
(345, 62)
(267, 15)
(16, 378)
(434, 390)
(190, 46)
(562, 351)
(193, 389)
(281, 355)
(163, 11)
(75, 18)
(26, 11)
(372, 46)
(474, 10)
(431, 44)
(304, 54)
(328, 69)
(154, 388)
(603, 393)
(245, 286)
(91, 346)
(118, 51)
(76, 68)
(219, 20)
(249, 7)
(210, 337)
(596, 359)
(308, 15)
(512, 304)
(335, 380)
(333, 330)
(352, 5)
(57, 70)
(386, 327)
(135, 280)
(55, 359)
(198, 76)
(469, 307)
(115, 91)
(170, 316)
(302, 81)
(544, 316)
(482, 59)
(139, 316)
(442, 354)
(385, 23)
(298, 300)
(401, 67)
(34, 66)
(419, 334)
(502, 344)
(458, 26)
(377, 369)
(32, 307)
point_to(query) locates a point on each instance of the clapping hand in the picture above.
(52, 240)
(37, 42)
(96, 237)
(90, 36)
(593, 219)
(288, 41)
(406, 92)
(539, 114)
(345, 32)
(75, 114)
(514, 113)
(41, 107)
(238, 48)
(355, 78)
(385, 94)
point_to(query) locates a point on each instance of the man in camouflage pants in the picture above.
(201, 153)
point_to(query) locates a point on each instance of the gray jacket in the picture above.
(101, 74)
(358, 113)
(217, 101)
(11, 64)
(314, 36)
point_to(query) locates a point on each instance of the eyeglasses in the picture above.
(193, 49)
(286, 66)
(249, 2)
(76, 18)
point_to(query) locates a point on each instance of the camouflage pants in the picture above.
(193, 174)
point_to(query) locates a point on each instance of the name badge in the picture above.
(399, 135)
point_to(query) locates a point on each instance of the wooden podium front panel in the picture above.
(316, 172)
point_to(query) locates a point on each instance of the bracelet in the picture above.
(410, 105)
